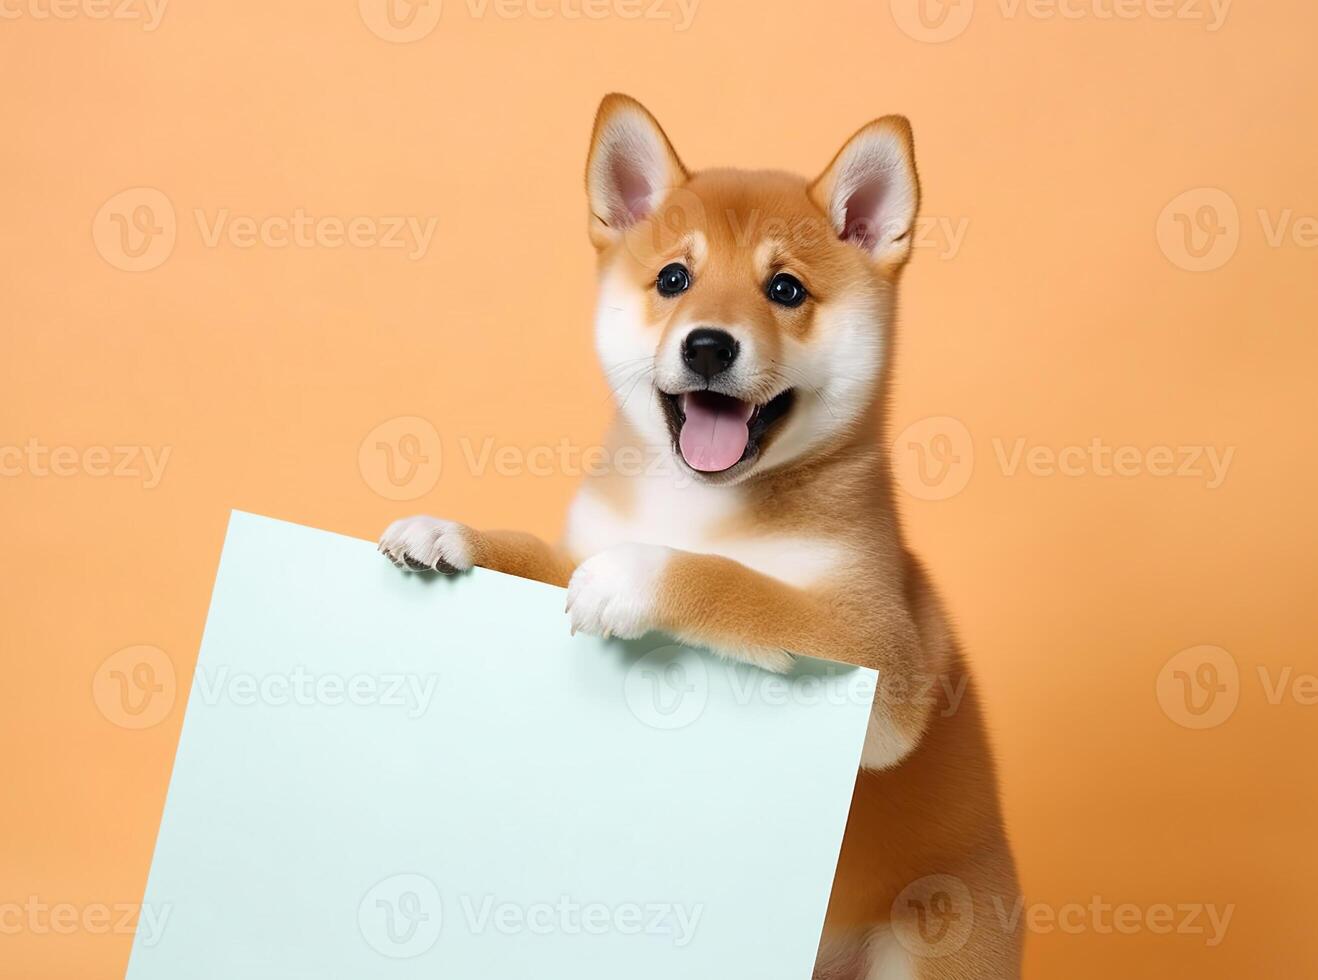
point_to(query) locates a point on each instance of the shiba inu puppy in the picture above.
(745, 322)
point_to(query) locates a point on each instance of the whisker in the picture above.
(632, 379)
(807, 383)
(630, 362)
(634, 386)
(615, 389)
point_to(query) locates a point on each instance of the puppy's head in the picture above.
(743, 315)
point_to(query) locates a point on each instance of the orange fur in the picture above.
(799, 550)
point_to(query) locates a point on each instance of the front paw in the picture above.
(616, 592)
(428, 544)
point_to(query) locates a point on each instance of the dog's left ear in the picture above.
(631, 167)
(871, 192)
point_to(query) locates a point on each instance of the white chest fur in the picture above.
(691, 517)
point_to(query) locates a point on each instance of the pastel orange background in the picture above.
(1066, 314)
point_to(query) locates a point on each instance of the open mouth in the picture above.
(715, 432)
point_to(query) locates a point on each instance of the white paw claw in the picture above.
(616, 592)
(428, 544)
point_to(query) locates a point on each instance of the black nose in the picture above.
(709, 352)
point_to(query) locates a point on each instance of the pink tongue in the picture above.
(714, 434)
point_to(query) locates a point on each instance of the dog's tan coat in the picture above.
(841, 584)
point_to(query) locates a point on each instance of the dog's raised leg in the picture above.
(717, 603)
(428, 543)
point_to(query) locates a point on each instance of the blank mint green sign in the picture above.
(390, 775)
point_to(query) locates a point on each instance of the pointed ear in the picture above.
(630, 169)
(871, 192)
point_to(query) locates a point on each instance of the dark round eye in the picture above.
(673, 279)
(786, 290)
